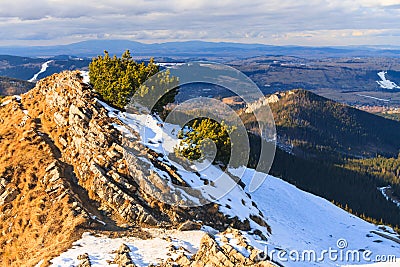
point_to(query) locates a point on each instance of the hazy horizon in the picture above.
(383, 46)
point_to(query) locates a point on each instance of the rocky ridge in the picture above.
(61, 152)
(219, 251)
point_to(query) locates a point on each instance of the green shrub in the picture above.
(198, 136)
(116, 79)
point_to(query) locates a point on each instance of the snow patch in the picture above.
(43, 69)
(5, 103)
(169, 65)
(388, 198)
(375, 98)
(143, 251)
(384, 83)
(85, 75)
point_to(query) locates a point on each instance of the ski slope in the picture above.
(42, 70)
(384, 83)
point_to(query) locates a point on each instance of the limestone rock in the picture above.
(8, 195)
(189, 225)
(84, 260)
(122, 257)
(221, 253)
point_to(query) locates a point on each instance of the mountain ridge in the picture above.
(304, 118)
(193, 48)
(80, 177)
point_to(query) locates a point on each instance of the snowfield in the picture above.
(85, 75)
(300, 222)
(384, 83)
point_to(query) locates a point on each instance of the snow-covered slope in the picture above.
(143, 251)
(223, 190)
(302, 221)
(299, 221)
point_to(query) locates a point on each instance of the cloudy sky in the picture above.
(307, 22)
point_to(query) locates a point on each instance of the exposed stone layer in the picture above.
(62, 169)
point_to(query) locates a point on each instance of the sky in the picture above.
(276, 22)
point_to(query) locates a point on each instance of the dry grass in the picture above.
(36, 225)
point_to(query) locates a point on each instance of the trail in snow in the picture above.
(43, 69)
(384, 83)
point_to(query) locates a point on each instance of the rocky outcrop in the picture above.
(87, 139)
(122, 257)
(37, 192)
(84, 260)
(189, 225)
(8, 195)
(64, 154)
(82, 131)
(221, 251)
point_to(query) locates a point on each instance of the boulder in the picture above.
(189, 225)
(84, 260)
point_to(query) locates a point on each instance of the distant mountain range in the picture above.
(191, 49)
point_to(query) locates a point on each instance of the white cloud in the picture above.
(318, 22)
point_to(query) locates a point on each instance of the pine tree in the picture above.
(198, 137)
(117, 79)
